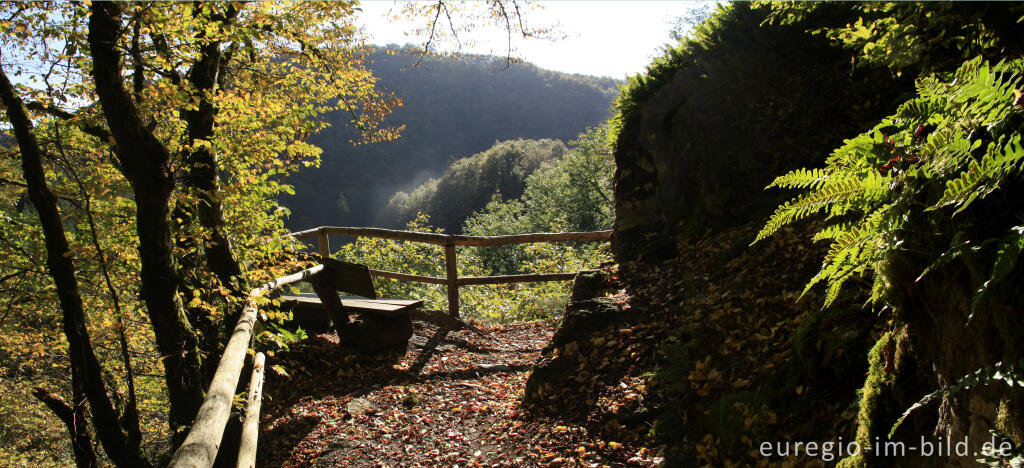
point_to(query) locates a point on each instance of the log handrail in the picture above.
(452, 239)
(449, 242)
(203, 441)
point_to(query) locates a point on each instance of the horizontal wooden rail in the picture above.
(408, 277)
(203, 440)
(449, 239)
(528, 278)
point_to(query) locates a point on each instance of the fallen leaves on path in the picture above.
(452, 399)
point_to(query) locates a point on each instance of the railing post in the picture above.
(323, 243)
(452, 276)
(251, 425)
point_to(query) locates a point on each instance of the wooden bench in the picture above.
(378, 324)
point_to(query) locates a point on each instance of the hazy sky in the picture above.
(605, 38)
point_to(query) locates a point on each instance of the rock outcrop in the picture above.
(591, 310)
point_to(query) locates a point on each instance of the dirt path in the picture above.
(450, 400)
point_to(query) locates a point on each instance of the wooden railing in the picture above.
(199, 450)
(449, 242)
(203, 440)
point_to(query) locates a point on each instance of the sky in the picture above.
(603, 38)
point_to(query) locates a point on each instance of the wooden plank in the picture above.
(531, 278)
(483, 241)
(408, 303)
(408, 277)
(251, 424)
(382, 310)
(387, 307)
(443, 239)
(313, 299)
(305, 234)
(203, 439)
(452, 275)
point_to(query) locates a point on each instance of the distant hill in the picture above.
(452, 109)
(469, 183)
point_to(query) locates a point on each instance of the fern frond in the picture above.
(1002, 158)
(1006, 258)
(1010, 374)
(830, 232)
(960, 245)
(812, 202)
(919, 110)
(930, 86)
(854, 250)
(946, 149)
(969, 69)
(801, 178)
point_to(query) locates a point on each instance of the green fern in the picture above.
(829, 192)
(853, 251)
(930, 146)
(801, 179)
(1006, 258)
(1007, 373)
(1002, 158)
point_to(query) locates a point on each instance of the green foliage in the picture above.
(955, 144)
(916, 37)
(23, 420)
(271, 88)
(570, 194)
(468, 183)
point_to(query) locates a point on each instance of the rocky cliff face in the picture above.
(717, 118)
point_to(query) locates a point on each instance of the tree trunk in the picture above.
(85, 368)
(145, 162)
(200, 164)
(201, 181)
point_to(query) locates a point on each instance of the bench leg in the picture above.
(371, 334)
(332, 304)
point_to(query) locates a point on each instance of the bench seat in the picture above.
(309, 313)
(354, 304)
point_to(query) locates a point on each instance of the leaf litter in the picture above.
(451, 399)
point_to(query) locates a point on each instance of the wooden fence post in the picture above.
(323, 243)
(452, 276)
(251, 425)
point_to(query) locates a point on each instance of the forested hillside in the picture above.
(451, 109)
(468, 184)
